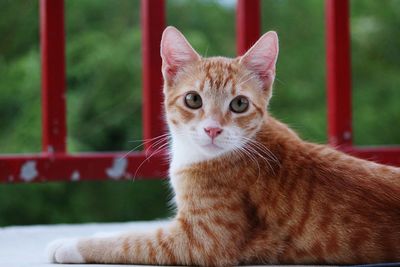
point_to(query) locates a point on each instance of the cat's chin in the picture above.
(212, 150)
(212, 147)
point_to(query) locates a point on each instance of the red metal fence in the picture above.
(339, 87)
(54, 163)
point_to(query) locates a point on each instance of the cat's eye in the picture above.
(193, 100)
(239, 104)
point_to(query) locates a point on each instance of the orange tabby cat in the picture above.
(248, 190)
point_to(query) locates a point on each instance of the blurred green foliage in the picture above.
(104, 89)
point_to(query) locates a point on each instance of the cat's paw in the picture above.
(64, 251)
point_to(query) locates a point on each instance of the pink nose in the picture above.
(213, 131)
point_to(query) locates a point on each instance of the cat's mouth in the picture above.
(212, 146)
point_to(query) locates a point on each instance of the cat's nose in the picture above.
(213, 131)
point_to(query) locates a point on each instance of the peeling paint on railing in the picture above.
(117, 170)
(29, 171)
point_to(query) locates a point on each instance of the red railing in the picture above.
(339, 87)
(54, 163)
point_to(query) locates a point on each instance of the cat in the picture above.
(247, 189)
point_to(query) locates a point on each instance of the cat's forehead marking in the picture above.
(202, 84)
(219, 74)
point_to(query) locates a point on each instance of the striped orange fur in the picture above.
(272, 199)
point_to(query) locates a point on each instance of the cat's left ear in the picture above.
(261, 58)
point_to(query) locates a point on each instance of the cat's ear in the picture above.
(261, 58)
(176, 52)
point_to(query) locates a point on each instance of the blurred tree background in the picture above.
(104, 90)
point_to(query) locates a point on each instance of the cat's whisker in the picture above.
(158, 150)
(251, 77)
(149, 139)
(254, 159)
(155, 144)
(251, 157)
(254, 146)
(242, 153)
(271, 156)
(251, 149)
(146, 141)
(251, 146)
(245, 76)
(130, 151)
(239, 153)
(263, 149)
(258, 165)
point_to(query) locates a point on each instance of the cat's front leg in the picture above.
(138, 248)
(181, 244)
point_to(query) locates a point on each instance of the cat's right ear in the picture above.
(176, 52)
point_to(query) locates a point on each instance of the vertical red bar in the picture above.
(52, 44)
(153, 24)
(247, 24)
(338, 72)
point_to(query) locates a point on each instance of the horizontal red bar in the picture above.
(103, 166)
(90, 166)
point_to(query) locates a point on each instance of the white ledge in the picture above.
(23, 246)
